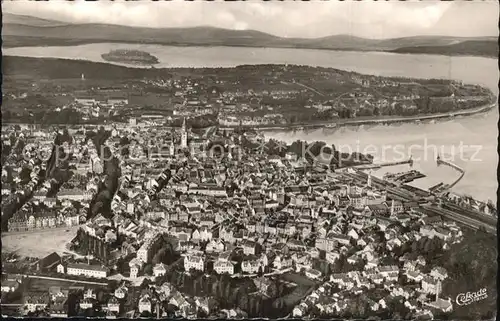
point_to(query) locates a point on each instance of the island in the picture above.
(130, 56)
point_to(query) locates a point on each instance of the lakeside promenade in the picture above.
(382, 120)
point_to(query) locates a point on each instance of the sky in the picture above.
(382, 19)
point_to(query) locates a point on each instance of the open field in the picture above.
(39, 243)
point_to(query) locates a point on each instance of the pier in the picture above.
(441, 187)
(387, 164)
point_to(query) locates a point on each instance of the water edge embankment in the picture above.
(379, 121)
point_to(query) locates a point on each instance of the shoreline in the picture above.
(376, 121)
(338, 123)
(122, 56)
(201, 45)
(135, 63)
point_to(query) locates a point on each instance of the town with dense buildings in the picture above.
(251, 96)
(186, 212)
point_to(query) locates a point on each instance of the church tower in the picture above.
(184, 134)
(439, 288)
(171, 149)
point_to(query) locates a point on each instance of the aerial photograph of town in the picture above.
(237, 160)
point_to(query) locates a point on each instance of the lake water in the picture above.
(470, 142)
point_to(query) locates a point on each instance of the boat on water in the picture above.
(334, 125)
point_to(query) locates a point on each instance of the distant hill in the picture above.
(87, 33)
(468, 48)
(8, 18)
(30, 31)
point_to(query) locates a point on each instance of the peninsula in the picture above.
(255, 96)
(129, 56)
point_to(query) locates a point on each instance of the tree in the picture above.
(281, 289)
(272, 290)
(25, 173)
(196, 286)
(256, 305)
(148, 269)
(182, 280)
(243, 302)
(100, 296)
(146, 314)
(214, 287)
(227, 291)
(160, 256)
(279, 304)
(145, 283)
(19, 146)
(124, 141)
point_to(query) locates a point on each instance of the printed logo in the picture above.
(470, 297)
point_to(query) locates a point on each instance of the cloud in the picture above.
(293, 19)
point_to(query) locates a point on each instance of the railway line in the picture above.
(467, 217)
(487, 219)
(463, 219)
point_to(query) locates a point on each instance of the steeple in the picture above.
(438, 289)
(184, 134)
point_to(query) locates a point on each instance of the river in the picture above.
(470, 142)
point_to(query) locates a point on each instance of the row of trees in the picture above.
(197, 122)
(88, 244)
(40, 116)
(229, 292)
(101, 203)
(315, 151)
(472, 264)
